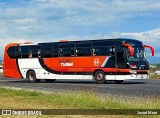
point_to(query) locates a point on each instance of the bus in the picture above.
(99, 60)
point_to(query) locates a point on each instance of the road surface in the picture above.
(150, 88)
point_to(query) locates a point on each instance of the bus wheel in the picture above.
(31, 76)
(118, 81)
(50, 80)
(100, 77)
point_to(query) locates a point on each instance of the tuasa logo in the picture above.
(96, 62)
(67, 62)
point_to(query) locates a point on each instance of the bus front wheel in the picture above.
(100, 77)
(31, 76)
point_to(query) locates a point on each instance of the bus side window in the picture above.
(35, 51)
(72, 52)
(60, 53)
(34, 54)
(104, 51)
(25, 51)
(112, 51)
(55, 52)
(66, 52)
(30, 54)
(11, 52)
(19, 55)
(39, 53)
(87, 51)
(79, 52)
(84, 49)
(47, 52)
(94, 52)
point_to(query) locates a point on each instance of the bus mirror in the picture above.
(150, 47)
(130, 48)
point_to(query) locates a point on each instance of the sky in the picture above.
(54, 20)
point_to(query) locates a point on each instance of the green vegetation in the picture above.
(21, 98)
(153, 75)
(18, 99)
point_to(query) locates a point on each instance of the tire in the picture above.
(100, 77)
(31, 76)
(50, 80)
(118, 81)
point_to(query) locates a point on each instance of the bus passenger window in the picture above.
(112, 50)
(47, 52)
(25, 51)
(34, 54)
(39, 53)
(30, 54)
(87, 51)
(12, 52)
(19, 55)
(60, 53)
(55, 50)
(72, 52)
(94, 52)
(79, 52)
(67, 52)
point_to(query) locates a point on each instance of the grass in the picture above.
(21, 99)
(154, 76)
(9, 98)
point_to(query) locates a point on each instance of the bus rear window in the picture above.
(11, 52)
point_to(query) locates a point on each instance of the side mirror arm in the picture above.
(130, 48)
(150, 47)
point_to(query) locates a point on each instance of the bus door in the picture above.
(120, 63)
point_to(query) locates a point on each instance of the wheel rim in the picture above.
(31, 77)
(100, 76)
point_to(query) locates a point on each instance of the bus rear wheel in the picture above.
(50, 80)
(100, 77)
(31, 76)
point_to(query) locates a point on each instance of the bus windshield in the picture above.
(139, 52)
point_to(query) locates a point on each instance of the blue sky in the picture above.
(52, 20)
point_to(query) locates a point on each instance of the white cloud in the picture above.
(25, 20)
(50, 20)
(152, 36)
(41, 18)
(89, 12)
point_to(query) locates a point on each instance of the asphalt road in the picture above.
(138, 88)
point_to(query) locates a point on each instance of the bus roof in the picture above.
(79, 41)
